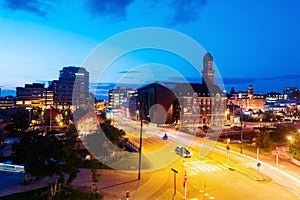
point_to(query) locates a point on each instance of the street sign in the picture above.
(165, 137)
(258, 164)
(174, 170)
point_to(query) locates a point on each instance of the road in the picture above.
(212, 174)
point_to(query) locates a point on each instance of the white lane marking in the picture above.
(277, 177)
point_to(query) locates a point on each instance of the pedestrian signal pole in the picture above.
(184, 184)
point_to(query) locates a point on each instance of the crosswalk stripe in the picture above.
(193, 172)
(201, 169)
(213, 167)
(204, 167)
(222, 166)
(197, 167)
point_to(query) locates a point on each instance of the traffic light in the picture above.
(127, 194)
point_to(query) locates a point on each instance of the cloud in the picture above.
(183, 11)
(186, 11)
(129, 71)
(37, 7)
(231, 80)
(234, 81)
(290, 76)
(112, 8)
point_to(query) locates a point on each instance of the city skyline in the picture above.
(251, 42)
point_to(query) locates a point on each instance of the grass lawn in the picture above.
(296, 154)
(66, 193)
(248, 147)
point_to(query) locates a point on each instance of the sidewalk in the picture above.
(113, 183)
(284, 160)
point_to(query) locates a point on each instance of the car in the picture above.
(182, 151)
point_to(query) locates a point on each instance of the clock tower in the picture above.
(208, 73)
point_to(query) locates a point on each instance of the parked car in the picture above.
(183, 152)
(236, 127)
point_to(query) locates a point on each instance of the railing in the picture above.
(11, 167)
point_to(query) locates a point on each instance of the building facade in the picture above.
(7, 102)
(32, 95)
(118, 96)
(247, 100)
(188, 105)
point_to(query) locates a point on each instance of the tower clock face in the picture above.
(218, 97)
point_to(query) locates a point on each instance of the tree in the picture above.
(2, 141)
(2, 136)
(112, 133)
(105, 141)
(263, 140)
(20, 120)
(268, 116)
(296, 143)
(71, 156)
(49, 156)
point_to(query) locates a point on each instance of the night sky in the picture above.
(252, 42)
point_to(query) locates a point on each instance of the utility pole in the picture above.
(140, 149)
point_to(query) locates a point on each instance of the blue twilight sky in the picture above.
(252, 42)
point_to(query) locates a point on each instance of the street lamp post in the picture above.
(175, 172)
(290, 147)
(241, 120)
(29, 115)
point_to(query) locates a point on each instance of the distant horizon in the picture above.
(251, 42)
(105, 86)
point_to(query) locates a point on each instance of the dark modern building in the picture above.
(72, 88)
(155, 102)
